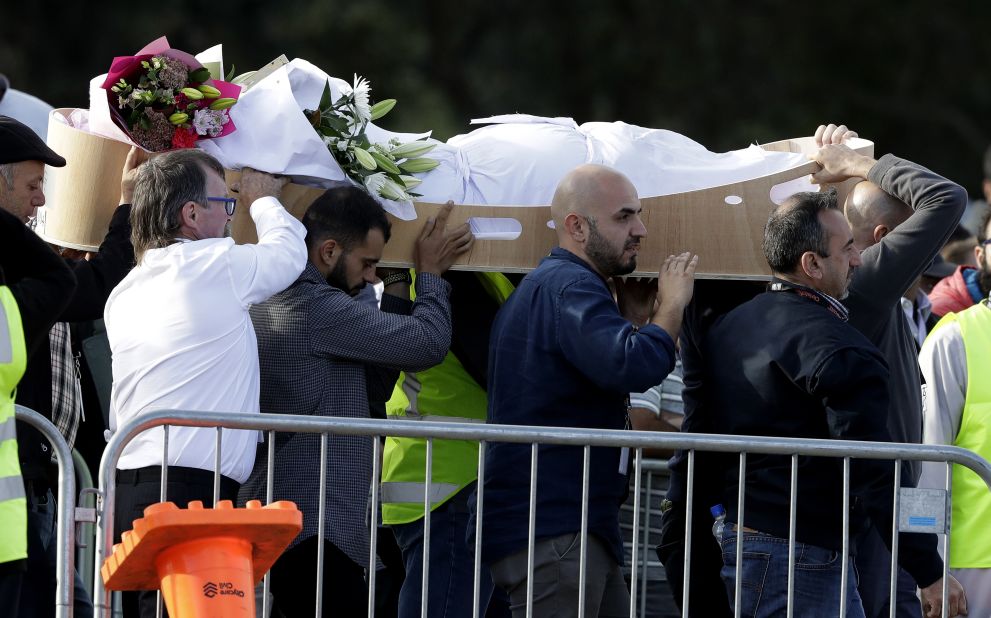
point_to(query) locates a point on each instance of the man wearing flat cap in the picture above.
(23, 157)
(51, 383)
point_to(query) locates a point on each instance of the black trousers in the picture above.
(707, 593)
(139, 489)
(294, 582)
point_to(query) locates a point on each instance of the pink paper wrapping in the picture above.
(127, 66)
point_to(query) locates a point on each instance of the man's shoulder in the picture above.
(557, 274)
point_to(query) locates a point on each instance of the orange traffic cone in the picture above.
(205, 561)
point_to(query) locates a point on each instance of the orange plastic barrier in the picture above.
(206, 561)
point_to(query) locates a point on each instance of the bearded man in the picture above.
(563, 353)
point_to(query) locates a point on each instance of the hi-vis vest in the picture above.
(442, 393)
(970, 536)
(13, 360)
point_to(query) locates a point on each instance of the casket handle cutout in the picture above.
(495, 228)
(733, 200)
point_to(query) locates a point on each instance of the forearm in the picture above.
(893, 264)
(669, 319)
(261, 270)
(415, 342)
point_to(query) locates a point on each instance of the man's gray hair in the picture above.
(163, 185)
(7, 174)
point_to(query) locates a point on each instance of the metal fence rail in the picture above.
(483, 433)
(65, 536)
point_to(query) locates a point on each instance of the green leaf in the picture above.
(335, 122)
(325, 98)
(382, 108)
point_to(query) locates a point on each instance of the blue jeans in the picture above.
(452, 563)
(38, 583)
(764, 572)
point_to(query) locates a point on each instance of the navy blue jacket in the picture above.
(562, 355)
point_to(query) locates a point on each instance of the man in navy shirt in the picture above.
(565, 353)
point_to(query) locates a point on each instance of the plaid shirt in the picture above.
(315, 344)
(67, 395)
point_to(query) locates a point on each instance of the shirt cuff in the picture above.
(268, 213)
(427, 283)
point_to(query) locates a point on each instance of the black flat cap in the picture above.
(19, 143)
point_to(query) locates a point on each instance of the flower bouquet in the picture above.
(163, 98)
(384, 168)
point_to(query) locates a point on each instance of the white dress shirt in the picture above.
(181, 338)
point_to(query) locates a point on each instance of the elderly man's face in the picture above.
(26, 194)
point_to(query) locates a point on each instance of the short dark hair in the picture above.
(164, 183)
(982, 231)
(794, 228)
(345, 214)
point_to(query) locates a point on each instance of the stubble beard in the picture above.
(984, 276)
(607, 260)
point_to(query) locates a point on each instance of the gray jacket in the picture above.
(319, 349)
(888, 269)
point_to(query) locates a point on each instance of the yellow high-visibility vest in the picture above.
(13, 505)
(442, 393)
(970, 536)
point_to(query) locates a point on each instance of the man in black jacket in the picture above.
(787, 363)
(40, 284)
(23, 157)
(901, 214)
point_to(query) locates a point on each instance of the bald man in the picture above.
(901, 214)
(564, 353)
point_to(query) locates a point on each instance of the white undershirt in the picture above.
(181, 338)
(943, 360)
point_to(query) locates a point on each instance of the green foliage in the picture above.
(342, 124)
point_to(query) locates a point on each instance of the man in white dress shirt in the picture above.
(179, 327)
(955, 360)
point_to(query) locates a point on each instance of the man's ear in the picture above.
(880, 232)
(979, 254)
(811, 265)
(329, 251)
(576, 226)
(187, 215)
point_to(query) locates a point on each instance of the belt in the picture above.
(153, 474)
(736, 528)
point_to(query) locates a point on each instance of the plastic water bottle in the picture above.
(719, 515)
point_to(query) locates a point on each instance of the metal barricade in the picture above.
(637, 441)
(655, 597)
(65, 536)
